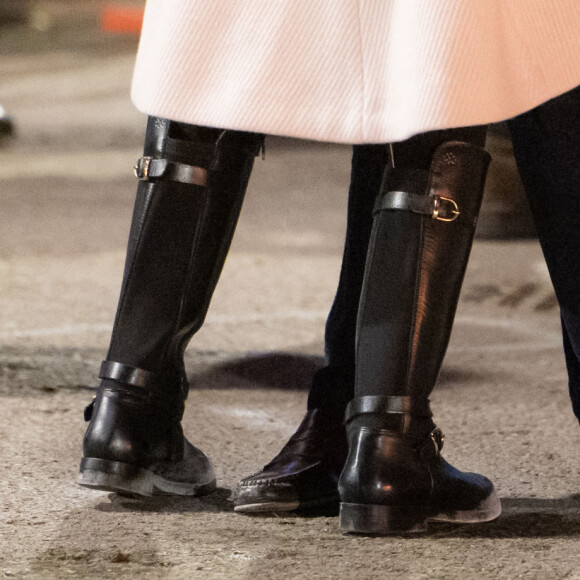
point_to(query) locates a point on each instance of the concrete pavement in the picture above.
(67, 194)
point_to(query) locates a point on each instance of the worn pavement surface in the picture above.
(67, 191)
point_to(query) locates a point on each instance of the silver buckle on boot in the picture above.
(437, 438)
(141, 169)
(444, 212)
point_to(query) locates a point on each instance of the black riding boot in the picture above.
(188, 202)
(395, 479)
(305, 472)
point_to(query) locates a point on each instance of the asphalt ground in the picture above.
(67, 193)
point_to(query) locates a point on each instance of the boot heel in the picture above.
(121, 478)
(357, 518)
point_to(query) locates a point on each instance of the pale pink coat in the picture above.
(353, 71)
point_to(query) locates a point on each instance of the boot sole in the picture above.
(133, 481)
(383, 520)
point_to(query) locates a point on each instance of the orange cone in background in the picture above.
(121, 19)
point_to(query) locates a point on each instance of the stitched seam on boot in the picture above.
(418, 281)
(370, 254)
(188, 276)
(130, 267)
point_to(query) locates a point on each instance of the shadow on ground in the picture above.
(523, 517)
(276, 370)
(218, 501)
(26, 371)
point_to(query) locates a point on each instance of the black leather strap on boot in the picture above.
(424, 436)
(143, 385)
(149, 168)
(433, 205)
(397, 405)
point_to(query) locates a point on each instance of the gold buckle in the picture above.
(141, 169)
(450, 214)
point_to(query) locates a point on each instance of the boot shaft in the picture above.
(422, 235)
(394, 478)
(193, 181)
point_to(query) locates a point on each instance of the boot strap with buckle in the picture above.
(435, 206)
(433, 445)
(149, 168)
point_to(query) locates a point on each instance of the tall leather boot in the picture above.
(395, 479)
(193, 181)
(305, 473)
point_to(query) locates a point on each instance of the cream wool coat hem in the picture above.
(353, 71)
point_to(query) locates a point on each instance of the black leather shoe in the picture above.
(395, 482)
(134, 444)
(304, 475)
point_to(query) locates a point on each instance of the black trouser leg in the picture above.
(305, 472)
(334, 384)
(546, 144)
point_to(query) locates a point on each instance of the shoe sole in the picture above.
(133, 481)
(287, 506)
(383, 520)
